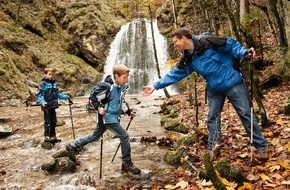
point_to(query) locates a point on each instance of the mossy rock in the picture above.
(286, 109)
(164, 119)
(172, 124)
(176, 124)
(173, 157)
(231, 173)
(187, 140)
(166, 110)
(169, 102)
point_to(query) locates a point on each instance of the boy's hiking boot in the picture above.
(71, 149)
(54, 139)
(262, 154)
(71, 152)
(46, 139)
(127, 166)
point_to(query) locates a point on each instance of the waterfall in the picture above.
(133, 47)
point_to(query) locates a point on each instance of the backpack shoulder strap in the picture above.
(213, 42)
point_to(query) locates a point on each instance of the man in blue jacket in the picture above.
(213, 58)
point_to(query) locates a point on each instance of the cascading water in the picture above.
(133, 46)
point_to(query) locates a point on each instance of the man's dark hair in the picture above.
(178, 33)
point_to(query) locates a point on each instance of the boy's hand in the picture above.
(133, 114)
(44, 104)
(69, 101)
(102, 111)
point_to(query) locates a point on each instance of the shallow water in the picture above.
(22, 155)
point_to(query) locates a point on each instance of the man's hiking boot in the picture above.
(262, 154)
(127, 166)
(215, 153)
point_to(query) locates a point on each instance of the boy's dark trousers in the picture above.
(49, 122)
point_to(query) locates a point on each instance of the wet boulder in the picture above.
(62, 162)
(47, 145)
(60, 165)
(65, 165)
(5, 131)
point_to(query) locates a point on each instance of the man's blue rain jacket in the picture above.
(214, 65)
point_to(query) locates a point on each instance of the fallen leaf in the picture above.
(205, 183)
(246, 186)
(267, 184)
(274, 168)
(275, 142)
(169, 186)
(243, 155)
(252, 177)
(285, 182)
(277, 176)
(182, 184)
(263, 176)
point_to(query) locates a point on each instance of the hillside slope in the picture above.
(71, 36)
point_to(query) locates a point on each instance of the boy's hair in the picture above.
(46, 70)
(120, 69)
(178, 33)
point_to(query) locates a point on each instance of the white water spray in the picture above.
(133, 46)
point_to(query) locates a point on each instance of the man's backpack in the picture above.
(100, 94)
(206, 41)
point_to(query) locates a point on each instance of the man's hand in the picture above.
(148, 90)
(251, 53)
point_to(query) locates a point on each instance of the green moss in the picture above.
(2, 71)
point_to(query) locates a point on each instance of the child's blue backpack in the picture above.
(100, 94)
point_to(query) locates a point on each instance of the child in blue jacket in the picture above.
(48, 96)
(109, 115)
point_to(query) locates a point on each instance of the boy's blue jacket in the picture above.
(48, 92)
(115, 106)
(214, 65)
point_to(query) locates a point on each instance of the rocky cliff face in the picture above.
(71, 36)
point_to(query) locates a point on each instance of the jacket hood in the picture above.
(47, 80)
(109, 79)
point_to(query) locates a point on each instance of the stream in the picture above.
(22, 154)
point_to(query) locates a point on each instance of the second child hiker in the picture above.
(216, 66)
(108, 117)
(48, 96)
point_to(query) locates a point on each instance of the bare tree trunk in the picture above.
(265, 10)
(279, 23)
(287, 20)
(155, 51)
(196, 99)
(231, 18)
(244, 8)
(174, 14)
(116, 7)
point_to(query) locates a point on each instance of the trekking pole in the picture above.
(72, 124)
(101, 151)
(131, 118)
(251, 103)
